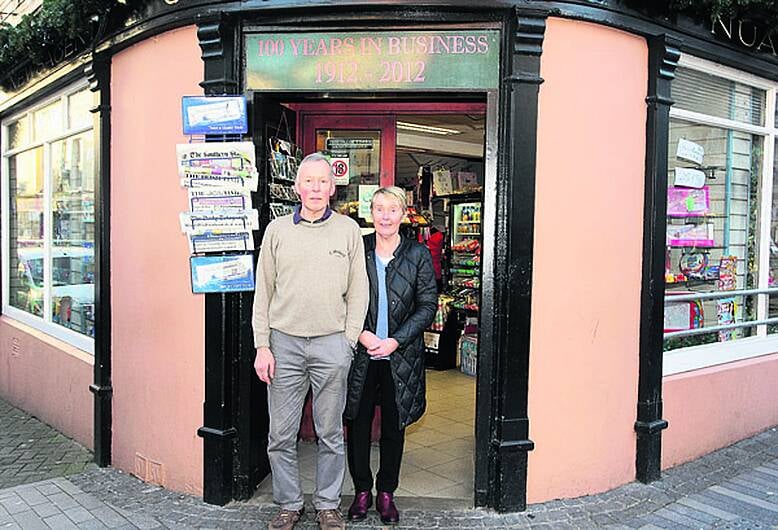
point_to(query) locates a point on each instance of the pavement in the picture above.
(47, 481)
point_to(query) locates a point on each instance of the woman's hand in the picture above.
(368, 339)
(383, 347)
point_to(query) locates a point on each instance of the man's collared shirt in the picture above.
(297, 217)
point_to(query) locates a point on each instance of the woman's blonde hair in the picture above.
(393, 192)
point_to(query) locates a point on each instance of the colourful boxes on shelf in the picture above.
(468, 354)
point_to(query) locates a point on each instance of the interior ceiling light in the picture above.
(417, 127)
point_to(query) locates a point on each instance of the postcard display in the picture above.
(690, 243)
(219, 178)
(284, 159)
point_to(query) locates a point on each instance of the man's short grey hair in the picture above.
(314, 157)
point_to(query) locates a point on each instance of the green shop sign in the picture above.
(459, 60)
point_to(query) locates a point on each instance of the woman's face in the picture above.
(387, 213)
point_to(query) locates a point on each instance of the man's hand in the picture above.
(383, 347)
(265, 364)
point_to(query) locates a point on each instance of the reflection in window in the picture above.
(79, 109)
(25, 172)
(73, 221)
(51, 252)
(18, 133)
(48, 121)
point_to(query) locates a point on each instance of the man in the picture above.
(309, 309)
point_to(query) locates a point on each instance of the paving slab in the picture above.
(48, 482)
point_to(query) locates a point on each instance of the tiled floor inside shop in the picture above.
(438, 458)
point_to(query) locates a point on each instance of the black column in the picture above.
(513, 258)
(98, 73)
(663, 55)
(217, 39)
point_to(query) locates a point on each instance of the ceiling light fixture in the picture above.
(417, 127)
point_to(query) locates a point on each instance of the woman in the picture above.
(388, 368)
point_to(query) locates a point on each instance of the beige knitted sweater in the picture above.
(311, 279)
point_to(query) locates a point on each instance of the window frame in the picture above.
(45, 324)
(707, 355)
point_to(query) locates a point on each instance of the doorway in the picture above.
(435, 151)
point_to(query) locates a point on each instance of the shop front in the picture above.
(580, 172)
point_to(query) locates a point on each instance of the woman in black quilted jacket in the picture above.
(388, 367)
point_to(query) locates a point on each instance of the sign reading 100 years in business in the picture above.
(410, 60)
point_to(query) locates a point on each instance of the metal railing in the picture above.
(692, 297)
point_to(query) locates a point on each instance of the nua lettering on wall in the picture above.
(746, 33)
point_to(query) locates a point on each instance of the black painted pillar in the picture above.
(98, 73)
(217, 39)
(663, 55)
(513, 258)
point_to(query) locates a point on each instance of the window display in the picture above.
(51, 222)
(715, 211)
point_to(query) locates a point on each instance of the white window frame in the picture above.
(45, 323)
(707, 355)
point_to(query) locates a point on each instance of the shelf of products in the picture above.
(704, 250)
(283, 161)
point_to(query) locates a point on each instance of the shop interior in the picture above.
(436, 154)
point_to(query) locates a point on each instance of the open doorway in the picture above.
(435, 152)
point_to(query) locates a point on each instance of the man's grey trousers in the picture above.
(323, 363)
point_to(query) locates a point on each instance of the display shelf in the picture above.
(691, 283)
(467, 310)
(720, 247)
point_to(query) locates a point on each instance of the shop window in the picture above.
(721, 260)
(49, 218)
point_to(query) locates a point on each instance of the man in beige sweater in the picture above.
(309, 309)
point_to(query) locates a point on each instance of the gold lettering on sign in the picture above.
(746, 34)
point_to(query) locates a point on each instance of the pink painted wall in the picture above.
(47, 378)
(588, 246)
(711, 408)
(158, 330)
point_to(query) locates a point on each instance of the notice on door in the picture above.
(458, 60)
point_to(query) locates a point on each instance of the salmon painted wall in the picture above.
(587, 270)
(47, 378)
(158, 330)
(712, 408)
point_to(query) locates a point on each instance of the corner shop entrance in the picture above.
(435, 150)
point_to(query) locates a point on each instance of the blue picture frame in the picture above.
(222, 274)
(214, 115)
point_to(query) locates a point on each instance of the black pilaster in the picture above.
(513, 257)
(217, 39)
(663, 55)
(98, 73)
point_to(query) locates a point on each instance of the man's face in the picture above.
(315, 185)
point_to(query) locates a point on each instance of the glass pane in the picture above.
(716, 96)
(25, 177)
(73, 233)
(363, 150)
(773, 277)
(712, 221)
(48, 121)
(79, 105)
(18, 133)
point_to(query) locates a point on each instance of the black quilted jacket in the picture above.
(413, 301)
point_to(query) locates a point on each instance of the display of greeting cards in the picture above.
(727, 273)
(690, 235)
(726, 310)
(684, 202)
